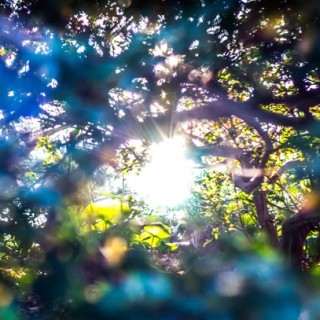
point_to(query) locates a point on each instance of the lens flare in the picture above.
(166, 179)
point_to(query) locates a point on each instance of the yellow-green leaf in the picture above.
(104, 212)
(159, 230)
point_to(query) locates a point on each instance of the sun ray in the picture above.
(166, 179)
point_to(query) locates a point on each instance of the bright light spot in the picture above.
(174, 60)
(161, 70)
(10, 59)
(166, 180)
(81, 49)
(194, 45)
(178, 215)
(24, 69)
(161, 49)
(53, 83)
(114, 250)
(53, 109)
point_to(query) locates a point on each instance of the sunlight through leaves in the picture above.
(166, 179)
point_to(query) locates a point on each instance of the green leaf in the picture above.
(172, 246)
(155, 234)
(293, 189)
(147, 238)
(158, 230)
(104, 212)
(247, 219)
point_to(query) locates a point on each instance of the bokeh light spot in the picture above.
(114, 250)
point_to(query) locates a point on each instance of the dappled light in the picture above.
(159, 159)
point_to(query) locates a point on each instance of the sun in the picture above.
(166, 179)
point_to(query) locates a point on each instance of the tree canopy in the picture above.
(97, 96)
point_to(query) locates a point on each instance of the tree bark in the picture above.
(265, 220)
(294, 233)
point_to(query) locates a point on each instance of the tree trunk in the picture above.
(294, 233)
(265, 220)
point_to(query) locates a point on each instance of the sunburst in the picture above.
(166, 179)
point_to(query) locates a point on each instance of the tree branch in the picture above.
(264, 218)
(227, 108)
(287, 166)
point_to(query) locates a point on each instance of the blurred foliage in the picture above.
(87, 87)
